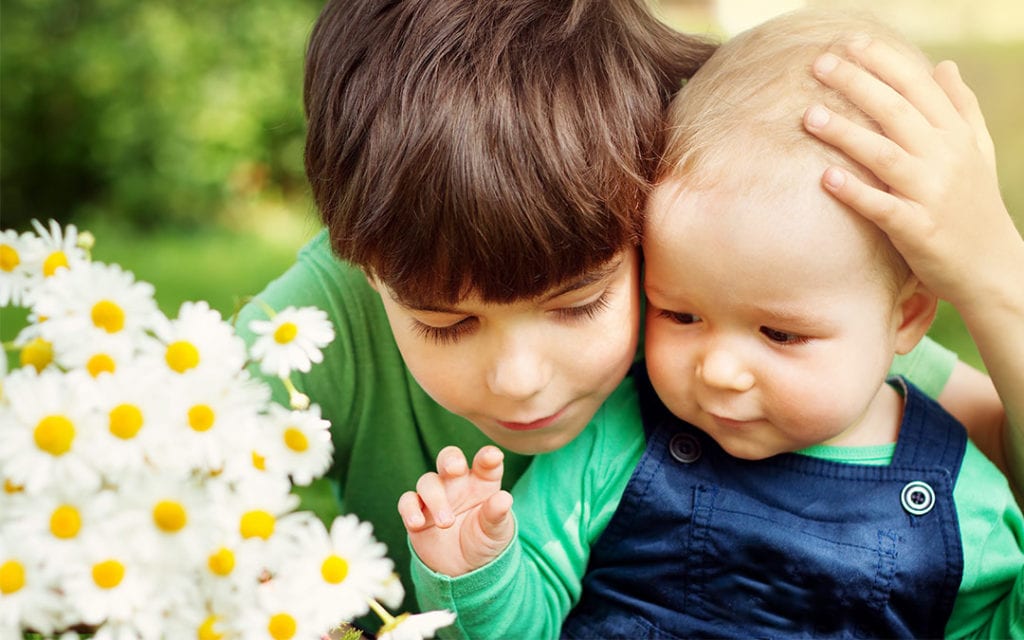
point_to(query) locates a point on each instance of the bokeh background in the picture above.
(173, 130)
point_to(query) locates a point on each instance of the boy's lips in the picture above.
(534, 425)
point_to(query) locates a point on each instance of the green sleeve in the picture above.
(928, 366)
(385, 429)
(990, 602)
(562, 504)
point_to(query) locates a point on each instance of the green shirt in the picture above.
(386, 430)
(567, 498)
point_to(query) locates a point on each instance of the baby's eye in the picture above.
(782, 337)
(679, 318)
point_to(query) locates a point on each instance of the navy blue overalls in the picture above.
(707, 545)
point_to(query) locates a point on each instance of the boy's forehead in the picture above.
(600, 273)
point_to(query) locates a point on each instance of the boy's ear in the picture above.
(913, 315)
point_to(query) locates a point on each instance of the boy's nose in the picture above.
(519, 372)
(722, 369)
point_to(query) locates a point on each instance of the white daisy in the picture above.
(291, 341)
(63, 519)
(46, 422)
(134, 404)
(176, 512)
(19, 255)
(111, 584)
(280, 614)
(28, 589)
(59, 249)
(199, 340)
(300, 444)
(210, 414)
(261, 514)
(94, 301)
(340, 570)
(415, 627)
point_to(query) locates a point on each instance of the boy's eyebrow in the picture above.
(587, 279)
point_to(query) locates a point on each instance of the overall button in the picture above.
(917, 498)
(684, 447)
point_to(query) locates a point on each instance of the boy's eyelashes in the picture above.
(451, 333)
(444, 335)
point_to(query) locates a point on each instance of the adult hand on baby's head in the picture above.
(942, 208)
(459, 519)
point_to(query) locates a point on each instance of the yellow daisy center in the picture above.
(107, 315)
(11, 487)
(334, 569)
(295, 440)
(125, 421)
(257, 524)
(38, 353)
(54, 261)
(281, 626)
(222, 562)
(182, 356)
(100, 363)
(285, 333)
(9, 258)
(107, 574)
(206, 630)
(201, 417)
(54, 435)
(258, 461)
(12, 577)
(65, 522)
(170, 516)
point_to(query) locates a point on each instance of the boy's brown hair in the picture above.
(498, 147)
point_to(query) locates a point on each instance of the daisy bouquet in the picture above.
(147, 475)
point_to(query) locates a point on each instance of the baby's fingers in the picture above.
(410, 508)
(488, 464)
(497, 526)
(431, 490)
(451, 462)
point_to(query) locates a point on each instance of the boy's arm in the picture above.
(944, 212)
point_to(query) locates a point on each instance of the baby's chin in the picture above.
(745, 449)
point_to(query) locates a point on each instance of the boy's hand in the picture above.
(459, 519)
(943, 210)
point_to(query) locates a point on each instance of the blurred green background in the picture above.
(174, 130)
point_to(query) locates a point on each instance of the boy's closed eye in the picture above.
(451, 333)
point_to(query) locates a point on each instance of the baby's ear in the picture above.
(913, 315)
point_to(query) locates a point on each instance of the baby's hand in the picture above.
(942, 210)
(459, 519)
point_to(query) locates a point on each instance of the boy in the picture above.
(482, 189)
(773, 316)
